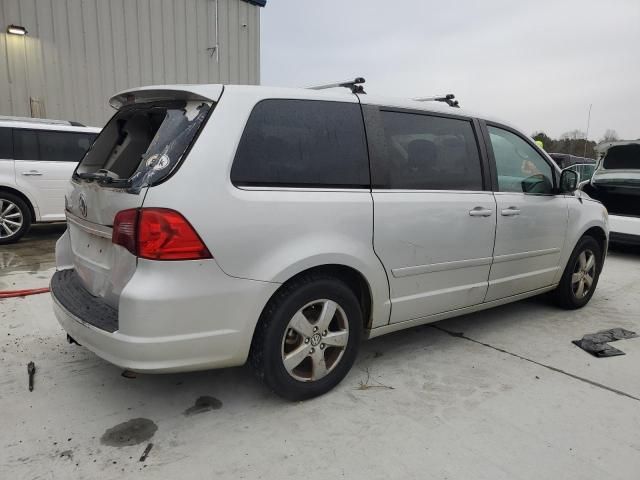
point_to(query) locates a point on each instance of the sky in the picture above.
(535, 64)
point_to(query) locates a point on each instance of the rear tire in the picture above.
(580, 277)
(308, 337)
(15, 218)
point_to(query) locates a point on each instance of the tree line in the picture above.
(574, 142)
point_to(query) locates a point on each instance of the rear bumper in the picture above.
(166, 326)
(624, 229)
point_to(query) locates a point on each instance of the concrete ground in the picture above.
(512, 398)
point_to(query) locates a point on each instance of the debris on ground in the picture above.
(203, 404)
(145, 454)
(366, 385)
(68, 454)
(129, 374)
(597, 343)
(31, 371)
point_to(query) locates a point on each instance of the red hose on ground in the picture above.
(22, 293)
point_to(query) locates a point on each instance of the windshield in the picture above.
(142, 144)
(623, 157)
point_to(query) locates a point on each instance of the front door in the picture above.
(45, 160)
(531, 218)
(434, 223)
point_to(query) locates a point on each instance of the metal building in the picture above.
(77, 53)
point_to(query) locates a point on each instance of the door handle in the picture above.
(32, 173)
(510, 212)
(480, 212)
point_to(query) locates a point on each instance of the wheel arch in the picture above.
(353, 278)
(23, 197)
(599, 235)
(598, 232)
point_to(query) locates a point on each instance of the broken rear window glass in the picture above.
(143, 144)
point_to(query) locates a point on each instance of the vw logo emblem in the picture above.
(83, 205)
(315, 340)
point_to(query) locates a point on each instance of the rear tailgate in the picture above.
(144, 143)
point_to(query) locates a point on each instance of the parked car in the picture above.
(584, 170)
(616, 183)
(209, 225)
(583, 166)
(37, 158)
(564, 160)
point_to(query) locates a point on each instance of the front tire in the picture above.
(308, 337)
(15, 218)
(580, 277)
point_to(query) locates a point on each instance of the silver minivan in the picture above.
(209, 225)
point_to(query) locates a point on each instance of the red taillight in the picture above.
(124, 229)
(158, 234)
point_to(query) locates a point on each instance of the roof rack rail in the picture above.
(47, 121)
(33, 120)
(354, 85)
(449, 99)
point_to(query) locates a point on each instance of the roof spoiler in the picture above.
(145, 95)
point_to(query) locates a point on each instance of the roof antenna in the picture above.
(353, 85)
(449, 99)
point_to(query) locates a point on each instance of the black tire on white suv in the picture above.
(13, 210)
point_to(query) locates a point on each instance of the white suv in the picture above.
(209, 225)
(37, 158)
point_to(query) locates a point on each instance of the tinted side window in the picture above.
(6, 143)
(425, 152)
(519, 166)
(51, 145)
(303, 143)
(25, 144)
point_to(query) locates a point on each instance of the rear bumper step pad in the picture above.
(69, 292)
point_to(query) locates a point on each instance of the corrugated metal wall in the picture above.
(80, 52)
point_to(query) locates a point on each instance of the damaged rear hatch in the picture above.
(620, 167)
(143, 144)
(616, 181)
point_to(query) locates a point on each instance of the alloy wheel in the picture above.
(315, 340)
(584, 273)
(11, 219)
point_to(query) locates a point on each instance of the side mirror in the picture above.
(569, 181)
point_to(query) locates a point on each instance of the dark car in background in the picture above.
(582, 165)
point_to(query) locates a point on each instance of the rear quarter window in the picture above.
(303, 143)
